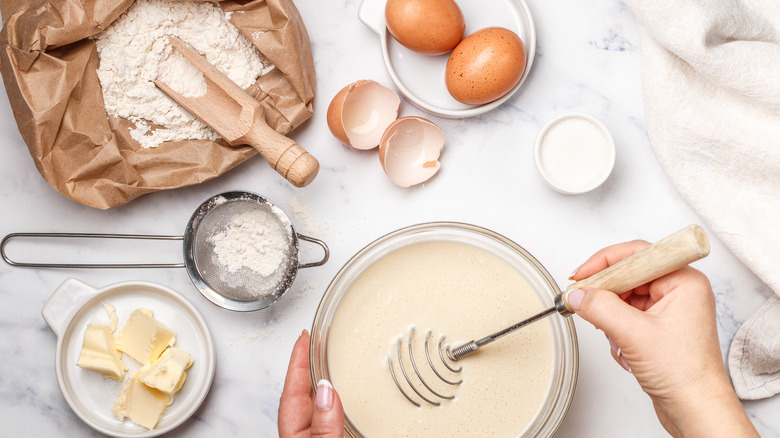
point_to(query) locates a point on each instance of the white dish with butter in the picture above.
(74, 305)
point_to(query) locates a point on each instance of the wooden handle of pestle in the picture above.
(284, 154)
(665, 256)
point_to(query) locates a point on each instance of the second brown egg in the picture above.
(485, 66)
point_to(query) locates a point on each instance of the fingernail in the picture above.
(574, 272)
(624, 364)
(612, 345)
(574, 298)
(324, 400)
(305, 332)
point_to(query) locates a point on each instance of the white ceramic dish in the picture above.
(75, 304)
(420, 78)
(585, 172)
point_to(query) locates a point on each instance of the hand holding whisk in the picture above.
(661, 258)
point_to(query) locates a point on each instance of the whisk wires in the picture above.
(427, 393)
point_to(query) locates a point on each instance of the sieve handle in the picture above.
(12, 262)
(321, 244)
(665, 256)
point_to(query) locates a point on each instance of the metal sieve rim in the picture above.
(198, 279)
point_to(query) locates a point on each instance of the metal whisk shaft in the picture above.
(462, 351)
(471, 347)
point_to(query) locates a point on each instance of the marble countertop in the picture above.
(587, 60)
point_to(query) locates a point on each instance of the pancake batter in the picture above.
(459, 290)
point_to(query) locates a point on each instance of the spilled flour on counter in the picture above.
(134, 51)
(302, 211)
(253, 337)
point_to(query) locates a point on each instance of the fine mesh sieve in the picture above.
(244, 289)
(241, 289)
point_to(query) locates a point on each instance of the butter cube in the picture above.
(167, 373)
(139, 403)
(143, 337)
(113, 319)
(99, 353)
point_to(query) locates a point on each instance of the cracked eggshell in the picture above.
(359, 114)
(409, 150)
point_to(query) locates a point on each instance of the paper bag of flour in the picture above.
(49, 63)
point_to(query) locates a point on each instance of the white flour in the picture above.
(253, 240)
(134, 51)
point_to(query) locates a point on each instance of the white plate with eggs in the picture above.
(421, 78)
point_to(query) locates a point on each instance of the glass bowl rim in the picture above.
(563, 393)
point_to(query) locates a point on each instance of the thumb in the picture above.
(328, 419)
(605, 310)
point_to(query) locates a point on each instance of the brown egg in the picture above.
(485, 66)
(431, 27)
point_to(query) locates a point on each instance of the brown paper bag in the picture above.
(49, 65)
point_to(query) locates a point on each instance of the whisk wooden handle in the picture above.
(665, 256)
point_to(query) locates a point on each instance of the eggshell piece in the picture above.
(431, 27)
(359, 114)
(335, 124)
(485, 66)
(410, 150)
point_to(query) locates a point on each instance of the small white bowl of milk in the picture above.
(574, 153)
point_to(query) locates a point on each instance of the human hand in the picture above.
(665, 333)
(301, 413)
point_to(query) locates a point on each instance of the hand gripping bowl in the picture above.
(558, 390)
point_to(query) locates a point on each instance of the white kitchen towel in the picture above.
(754, 358)
(711, 87)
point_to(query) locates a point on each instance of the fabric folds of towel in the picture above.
(711, 87)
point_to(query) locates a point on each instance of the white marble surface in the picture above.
(587, 60)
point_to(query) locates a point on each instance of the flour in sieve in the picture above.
(253, 240)
(134, 51)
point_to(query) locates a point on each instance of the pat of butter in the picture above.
(143, 337)
(142, 405)
(112, 318)
(99, 353)
(167, 374)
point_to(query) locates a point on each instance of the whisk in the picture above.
(419, 377)
(665, 256)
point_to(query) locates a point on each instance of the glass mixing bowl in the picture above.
(560, 393)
